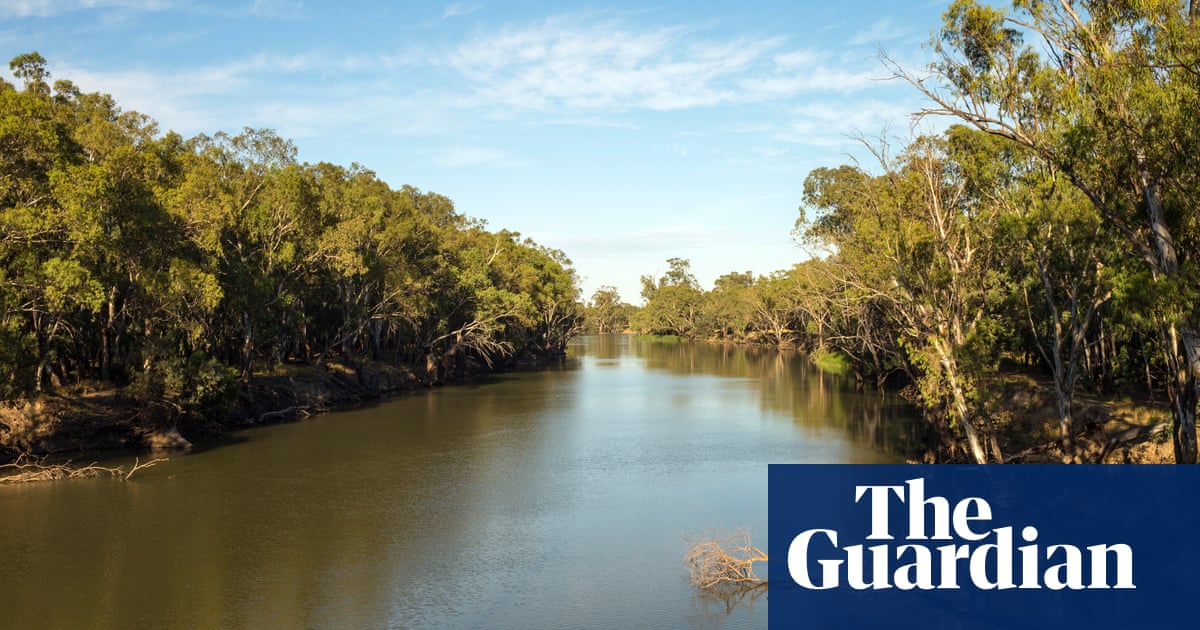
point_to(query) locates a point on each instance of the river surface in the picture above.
(558, 498)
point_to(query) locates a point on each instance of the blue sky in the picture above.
(623, 133)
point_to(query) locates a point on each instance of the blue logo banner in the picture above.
(863, 546)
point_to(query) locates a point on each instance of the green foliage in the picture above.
(673, 302)
(606, 313)
(667, 339)
(198, 384)
(129, 256)
(832, 361)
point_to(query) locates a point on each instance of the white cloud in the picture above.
(569, 64)
(566, 71)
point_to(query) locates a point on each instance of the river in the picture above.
(557, 498)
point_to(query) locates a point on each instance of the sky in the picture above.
(622, 133)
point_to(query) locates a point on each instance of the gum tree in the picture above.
(1106, 94)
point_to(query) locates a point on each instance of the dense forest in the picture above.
(176, 269)
(1053, 229)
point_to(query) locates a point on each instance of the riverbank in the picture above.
(1109, 430)
(1024, 412)
(113, 420)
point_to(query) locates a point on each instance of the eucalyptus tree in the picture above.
(913, 247)
(156, 261)
(251, 210)
(674, 302)
(774, 302)
(1106, 95)
(730, 305)
(1062, 263)
(606, 313)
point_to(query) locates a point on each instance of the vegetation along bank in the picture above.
(156, 288)
(1050, 237)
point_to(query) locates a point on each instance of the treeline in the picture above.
(740, 308)
(181, 266)
(1057, 228)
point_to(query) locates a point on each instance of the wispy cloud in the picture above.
(570, 64)
(563, 71)
(459, 9)
(770, 152)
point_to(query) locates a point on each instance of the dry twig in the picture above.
(28, 468)
(723, 558)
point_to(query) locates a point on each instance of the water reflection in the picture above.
(713, 607)
(788, 384)
(543, 499)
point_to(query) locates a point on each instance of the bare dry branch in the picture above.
(717, 558)
(28, 468)
(137, 466)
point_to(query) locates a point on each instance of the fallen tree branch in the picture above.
(137, 466)
(29, 469)
(723, 558)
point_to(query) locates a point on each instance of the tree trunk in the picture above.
(1066, 422)
(958, 400)
(1186, 391)
(106, 336)
(247, 347)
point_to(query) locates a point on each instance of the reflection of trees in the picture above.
(606, 346)
(789, 385)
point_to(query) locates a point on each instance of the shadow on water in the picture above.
(552, 498)
(713, 607)
(788, 384)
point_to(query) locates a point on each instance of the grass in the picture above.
(831, 361)
(660, 338)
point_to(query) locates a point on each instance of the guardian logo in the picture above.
(983, 546)
(914, 564)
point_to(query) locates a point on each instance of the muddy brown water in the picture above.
(551, 499)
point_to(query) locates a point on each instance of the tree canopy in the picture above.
(178, 266)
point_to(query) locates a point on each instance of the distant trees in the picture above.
(176, 266)
(674, 303)
(606, 313)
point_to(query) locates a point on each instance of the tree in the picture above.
(674, 303)
(158, 262)
(607, 313)
(31, 68)
(730, 305)
(1110, 103)
(1063, 271)
(912, 244)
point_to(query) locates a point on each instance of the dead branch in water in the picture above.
(29, 469)
(717, 559)
(137, 466)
